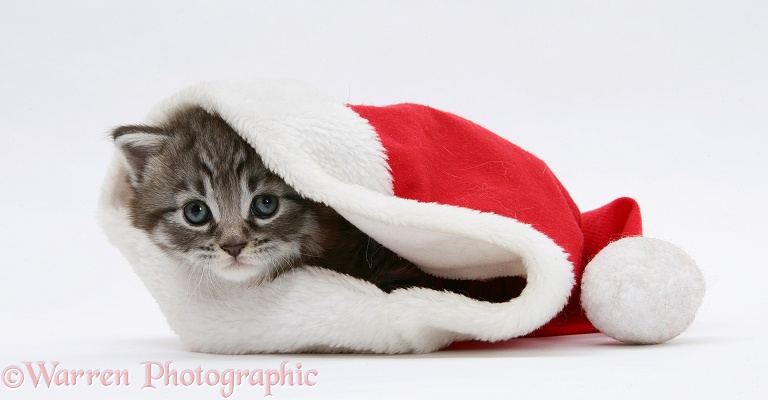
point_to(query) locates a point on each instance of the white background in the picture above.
(663, 101)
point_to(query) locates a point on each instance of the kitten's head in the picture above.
(203, 195)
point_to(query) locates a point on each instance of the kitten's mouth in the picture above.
(237, 265)
(237, 270)
(248, 267)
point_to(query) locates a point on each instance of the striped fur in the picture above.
(196, 156)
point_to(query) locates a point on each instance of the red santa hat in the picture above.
(445, 193)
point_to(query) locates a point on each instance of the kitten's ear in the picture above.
(139, 144)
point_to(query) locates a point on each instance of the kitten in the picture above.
(204, 196)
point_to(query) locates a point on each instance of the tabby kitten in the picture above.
(204, 196)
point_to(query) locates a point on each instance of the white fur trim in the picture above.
(286, 121)
(330, 154)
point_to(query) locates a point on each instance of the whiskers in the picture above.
(202, 282)
(282, 259)
(210, 275)
(369, 256)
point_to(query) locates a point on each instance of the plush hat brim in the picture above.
(329, 153)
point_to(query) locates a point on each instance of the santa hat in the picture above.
(452, 197)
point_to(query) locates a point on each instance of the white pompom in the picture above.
(642, 291)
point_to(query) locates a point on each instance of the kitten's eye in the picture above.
(264, 205)
(197, 213)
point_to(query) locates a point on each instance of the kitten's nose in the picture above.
(233, 249)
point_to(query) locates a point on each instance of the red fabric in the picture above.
(618, 219)
(439, 157)
(613, 221)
